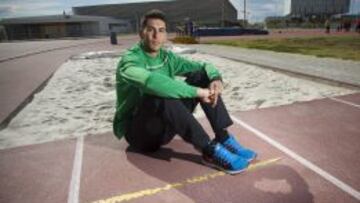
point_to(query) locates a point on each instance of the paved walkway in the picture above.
(13, 50)
(342, 71)
(316, 140)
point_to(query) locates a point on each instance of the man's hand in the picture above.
(216, 87)
(204, 95)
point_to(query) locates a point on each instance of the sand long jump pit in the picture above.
(80, 97)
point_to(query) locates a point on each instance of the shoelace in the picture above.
(224, 157)
(233, 145)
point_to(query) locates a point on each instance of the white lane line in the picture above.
(76, 172)
(344, 102)
(338, 183)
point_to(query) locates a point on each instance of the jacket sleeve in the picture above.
(152, 82)
(183, 66)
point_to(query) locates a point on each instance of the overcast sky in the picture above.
(258, 9)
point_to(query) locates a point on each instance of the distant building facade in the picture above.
(120, 18)
(57, 26)
(202, 12)
(310, 13)
(3, 36)
(306, 8)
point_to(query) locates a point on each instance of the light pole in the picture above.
(137, 22)
(223, 13)
(244, 13)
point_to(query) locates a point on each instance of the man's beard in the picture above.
(150, 49)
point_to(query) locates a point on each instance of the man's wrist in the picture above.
(216, 78)
(199, 92)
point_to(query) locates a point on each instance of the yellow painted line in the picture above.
(193, 180)
(262, 163)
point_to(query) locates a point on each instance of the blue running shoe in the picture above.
(234, 146)
(224, 160)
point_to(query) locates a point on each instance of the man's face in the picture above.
(154, 34)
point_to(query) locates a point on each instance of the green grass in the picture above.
(184, 40)
(343, 47)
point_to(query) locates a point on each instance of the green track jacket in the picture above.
(138, 74)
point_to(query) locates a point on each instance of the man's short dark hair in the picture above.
(152, 14)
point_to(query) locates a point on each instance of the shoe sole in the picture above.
(252, 159)
(222, 169)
